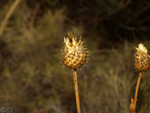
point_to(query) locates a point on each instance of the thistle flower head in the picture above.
(74, 54)
(141, 58)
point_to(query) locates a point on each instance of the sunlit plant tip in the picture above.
(141, 58)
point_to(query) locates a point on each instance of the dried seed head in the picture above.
(74, 54)
(141, 58)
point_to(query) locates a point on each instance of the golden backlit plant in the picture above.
(141, 65)
(74, 55)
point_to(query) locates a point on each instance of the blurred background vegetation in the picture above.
(32, 77)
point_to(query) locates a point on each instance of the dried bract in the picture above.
(74, 54)
(141, 58)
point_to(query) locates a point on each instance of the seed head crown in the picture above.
(74, 54)
(141, 48)
(141, 58)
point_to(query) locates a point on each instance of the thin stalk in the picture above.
(4, 23)
(137, 89)
(76, 91)
(136, 94)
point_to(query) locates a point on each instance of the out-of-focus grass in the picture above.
(32, 79)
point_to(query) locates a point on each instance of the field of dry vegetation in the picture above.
(32, 77)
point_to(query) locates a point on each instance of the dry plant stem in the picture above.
(136, 92)
(76, 91)
(36, 11)
(137, 88)
(4, 23)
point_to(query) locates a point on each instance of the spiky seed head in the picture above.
(74, 54)
(141, 58)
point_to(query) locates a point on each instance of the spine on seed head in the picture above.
(74, 55)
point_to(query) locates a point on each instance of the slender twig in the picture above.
(133, 102)
(76, 91)
(4, 23)
(137, 88)
(36, 11)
